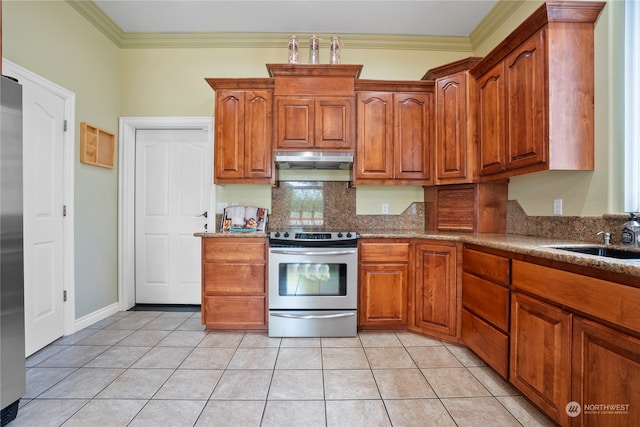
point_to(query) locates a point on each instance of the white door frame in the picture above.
(126, 193)
(14, 70)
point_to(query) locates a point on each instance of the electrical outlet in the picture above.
(557, 206)
(385, 208)
(413, 209)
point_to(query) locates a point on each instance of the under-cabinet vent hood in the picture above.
(336, 160)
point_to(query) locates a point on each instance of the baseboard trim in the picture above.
(95, 317)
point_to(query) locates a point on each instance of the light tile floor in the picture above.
(143, 368)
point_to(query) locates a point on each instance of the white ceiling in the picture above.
(399, 17)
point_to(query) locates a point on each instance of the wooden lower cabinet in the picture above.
(435, 298)
(234, 291)
(540, 360)
(383, 283)
(605, 371)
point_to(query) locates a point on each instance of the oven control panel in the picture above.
(297, 238)
(302, 236)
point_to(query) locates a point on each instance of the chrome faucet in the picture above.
(607, 237)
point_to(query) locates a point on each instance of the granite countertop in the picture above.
(219, 234)
(526, 245)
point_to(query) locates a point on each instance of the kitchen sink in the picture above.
(602, 251)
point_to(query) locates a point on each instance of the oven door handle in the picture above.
(312, 316)
(310, 253)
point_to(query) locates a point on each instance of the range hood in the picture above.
(296, 160)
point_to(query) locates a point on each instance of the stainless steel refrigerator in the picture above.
(12, 358)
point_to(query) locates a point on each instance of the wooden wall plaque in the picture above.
(97, 146)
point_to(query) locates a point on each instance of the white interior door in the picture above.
(43, 159)
(173, 186)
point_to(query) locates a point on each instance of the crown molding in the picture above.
(137, 40)
(92, 13)
(278, 40)
(496, 16)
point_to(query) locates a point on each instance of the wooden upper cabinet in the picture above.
(536, 92)
(526, 114)
(243, 131)
(413, 128)
(309, 123)
(492, 149)
(395, 133)
(374, 156)
(314, 106)
(455, 122)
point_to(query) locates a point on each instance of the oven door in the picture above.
(313, 278)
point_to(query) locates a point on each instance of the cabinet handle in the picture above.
(284, 252)
(313, 316)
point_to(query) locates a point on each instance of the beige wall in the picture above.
(170, 82)
(52, 40)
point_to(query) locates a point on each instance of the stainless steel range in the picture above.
(313, 283)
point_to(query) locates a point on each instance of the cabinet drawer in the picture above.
(234, 278)
(234, 250)
(235, 312)
(486, 341)
(488, 266)
(487, 300)
(384, 252)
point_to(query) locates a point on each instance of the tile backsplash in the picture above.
(331, 205)
(584, 228)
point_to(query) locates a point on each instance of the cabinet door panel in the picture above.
(229, 134)
(540, 354)
(525, 94)
(295, 122)
(451, 126)
(258, 119)
(491, 121)
(334, 123)
(383, 295)
(413, 129)
(435, 296)
(606, 370)
(374, 158)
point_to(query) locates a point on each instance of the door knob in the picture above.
(205, 214)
